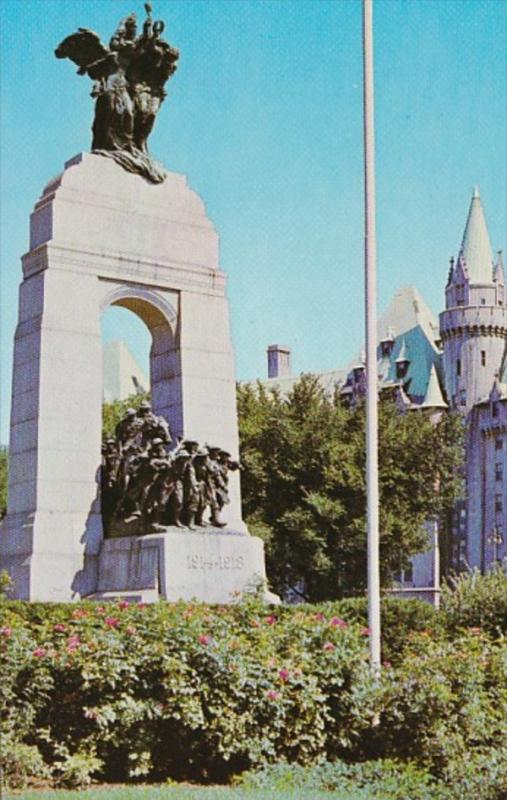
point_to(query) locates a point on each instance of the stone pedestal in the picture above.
(215, 566)
(100, 236)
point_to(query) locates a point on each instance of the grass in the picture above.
(185, 793)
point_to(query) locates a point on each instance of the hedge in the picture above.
(189, 691)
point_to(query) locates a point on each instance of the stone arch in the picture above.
(100, 236)
(159, 312)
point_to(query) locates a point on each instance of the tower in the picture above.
(474, 324)
(474, 332)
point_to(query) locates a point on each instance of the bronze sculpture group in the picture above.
(144, 483)
(129, 78)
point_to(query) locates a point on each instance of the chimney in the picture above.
(279, 365)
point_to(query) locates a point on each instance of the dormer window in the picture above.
(386, 347)
(401, 369)
(358, 372)
(402, 362)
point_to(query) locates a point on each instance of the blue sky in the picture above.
(264, 116)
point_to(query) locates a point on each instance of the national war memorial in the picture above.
(161, 516)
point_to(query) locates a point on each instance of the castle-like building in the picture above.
(458, 362)
(474, 331)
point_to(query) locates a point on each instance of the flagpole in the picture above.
(371, 342)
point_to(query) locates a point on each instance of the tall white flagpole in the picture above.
(371, 342)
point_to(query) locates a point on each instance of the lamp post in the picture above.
(371, 341)
(496, 539)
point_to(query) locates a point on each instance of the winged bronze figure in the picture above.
(129, 78)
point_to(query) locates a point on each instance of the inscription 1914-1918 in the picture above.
(217, 563)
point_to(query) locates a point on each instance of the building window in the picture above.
(498, 443)
(498, 472)
(458, 367)
(463, 397)
(498, 503)
(483, 358)
(483, 301)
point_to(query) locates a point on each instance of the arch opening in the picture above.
(146, 322)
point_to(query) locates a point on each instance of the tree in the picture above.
(304, 487)
(113, 412)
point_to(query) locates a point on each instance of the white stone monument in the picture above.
(101, 236)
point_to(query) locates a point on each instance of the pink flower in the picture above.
(59, 627)
(5, 632)
(475, 631)
(386, 664)
(91, 713)
(39, 652)
(271, 620)
(328, 646)
(131, 630)
(73, 643)
(319, 616)
(204, 639)
(338, 623)
(142, 605)
(283, 674)
(123, 604)
(113, 622)
(100, 610)
(271, 694)
(79, 612)
(365, 631)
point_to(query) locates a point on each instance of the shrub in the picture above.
(196, 692)
(386, 779)
(476, 600)
(180, 690)
(445, 704)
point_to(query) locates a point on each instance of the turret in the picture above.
(474, 325)
(499, 279)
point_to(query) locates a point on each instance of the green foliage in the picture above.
(386, 779)
(113, 412)
(400, 618)
(475, 600)
(194, 692)
(6, 583)
(4, 480)
(304, 487)
(446, 705)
